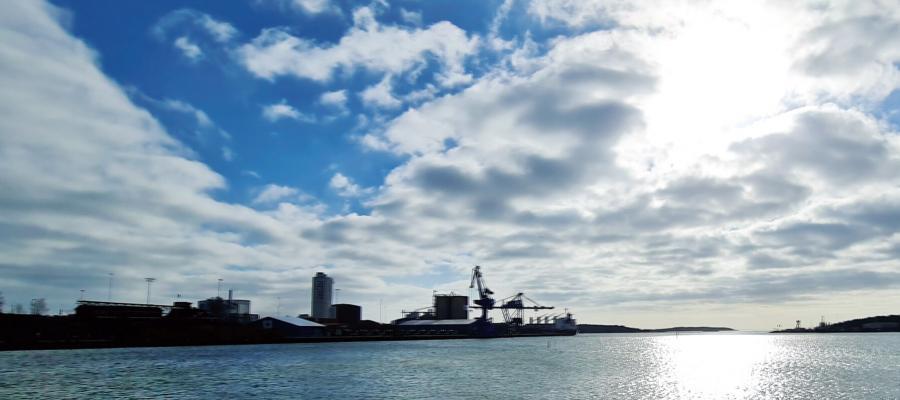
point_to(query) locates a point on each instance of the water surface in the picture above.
(587, 366)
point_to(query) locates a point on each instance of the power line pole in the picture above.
(149, 281)
(109, 289)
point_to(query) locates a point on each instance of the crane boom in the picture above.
(484, 294)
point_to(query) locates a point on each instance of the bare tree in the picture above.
(2, 302)
(39, 306)
(17, 308)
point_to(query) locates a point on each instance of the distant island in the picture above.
(882, 323)
(592, 328)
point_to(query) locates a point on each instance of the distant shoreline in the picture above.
(594, 328)
(881, 323)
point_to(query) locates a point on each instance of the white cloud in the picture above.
(345, 187)
(606, 174)
(379, 95)
(199, 115)
(368, 45)
(675, 144)
(219, 31)
(574, 12)
(310, 8)
(188, 48)
(272, 193)
(109, 165)
(337, 99)
(282, 110)
(314, 7)
(411, 17)
(227, 153)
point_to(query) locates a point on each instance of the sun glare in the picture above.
(718, 74)
(712, 367)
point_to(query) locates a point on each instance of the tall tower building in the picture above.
(321, 295)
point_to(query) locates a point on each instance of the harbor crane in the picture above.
(513, 307)
(484, 301)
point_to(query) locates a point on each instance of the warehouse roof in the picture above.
(296, 321)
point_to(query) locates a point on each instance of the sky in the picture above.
(647, 163)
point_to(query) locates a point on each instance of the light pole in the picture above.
(109, 289)
(149, 281)
(219, 288)
(337, 296)
(82, 295)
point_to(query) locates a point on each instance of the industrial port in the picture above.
(218, 320)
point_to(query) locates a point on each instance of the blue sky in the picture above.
(136, 44)
(287, 152)
(647, 163)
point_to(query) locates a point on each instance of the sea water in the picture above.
(587, 366)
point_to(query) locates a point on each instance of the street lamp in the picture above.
(109, 289)
(219, 288)
(149, 281)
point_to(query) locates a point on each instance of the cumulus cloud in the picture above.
(581, 142)
(368, 46)
(190, 28)
(310, 8)
(411, 17)
(282, 110)
(598, 170)
(219, 31)
(336, 99)
(380, 95)
(345, 187)
(573, 12)
(188, 48)
(272, 193)
(827, 144)
(148, 204)
(314, 6)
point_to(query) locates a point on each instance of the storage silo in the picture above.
(459, 307)
(347, 313)
(451, 306)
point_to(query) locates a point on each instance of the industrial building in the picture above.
(290, 327)
(346, 313)
(106, 309)
(228, 308)
(322, 286)
(451, 306)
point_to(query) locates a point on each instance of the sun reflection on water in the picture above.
(713, 366)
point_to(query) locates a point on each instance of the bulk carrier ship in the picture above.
(449, 315)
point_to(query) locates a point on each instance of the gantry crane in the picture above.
(513, 307)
